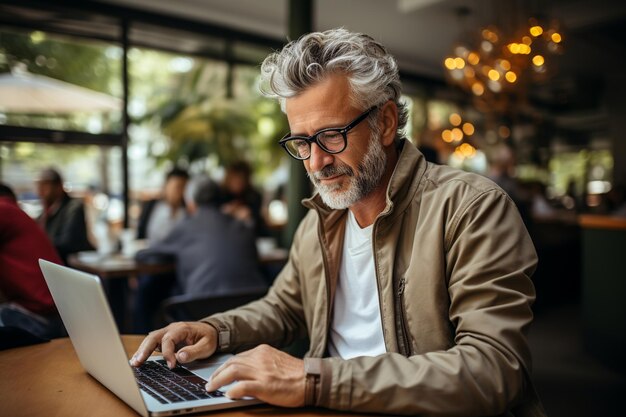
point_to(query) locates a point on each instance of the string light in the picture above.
(468, 128)
(455, 136)
(500, 64)
(510, 76)
(455, 119)
(536, 31)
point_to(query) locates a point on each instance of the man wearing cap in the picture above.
(63, 217)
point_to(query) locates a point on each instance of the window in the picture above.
(89, 171)
(59, 82)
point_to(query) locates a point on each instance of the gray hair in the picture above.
(372, 72)
(203, 191)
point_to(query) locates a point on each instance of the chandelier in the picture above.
(495, 66)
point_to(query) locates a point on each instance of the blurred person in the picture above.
(25, 300)
(240, 199)
(540, 207)
(412, 280)
(501, 168)
(213, 251)
(63, 217)
(158, 216)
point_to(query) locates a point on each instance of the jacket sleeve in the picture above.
(276, 319)
(490, 259)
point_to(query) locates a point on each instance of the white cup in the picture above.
(265, 245)
(106, 245)
(127, 239)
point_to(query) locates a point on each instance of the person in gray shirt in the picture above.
(214, 252)
(63, 217)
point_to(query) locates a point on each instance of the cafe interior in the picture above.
(526, 89)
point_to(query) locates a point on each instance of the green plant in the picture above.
(200, 122)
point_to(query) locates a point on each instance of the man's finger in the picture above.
(233, 370)
(190, 353)
(168, 349)
(146, 348)
(247, 357)
(245, 389)
(234, 361)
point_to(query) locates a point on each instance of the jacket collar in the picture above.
(402, 186)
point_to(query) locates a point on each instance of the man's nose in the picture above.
(319, 158)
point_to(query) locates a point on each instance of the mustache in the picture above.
(330, 171)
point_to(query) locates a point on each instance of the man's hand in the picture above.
(237, 210)
(183, 342)
(264, 373)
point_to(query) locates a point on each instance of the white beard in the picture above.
(370, 172)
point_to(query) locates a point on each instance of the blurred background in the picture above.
(530, 93)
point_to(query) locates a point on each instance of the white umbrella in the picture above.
(22, 92)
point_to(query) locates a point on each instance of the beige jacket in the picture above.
(453, 264)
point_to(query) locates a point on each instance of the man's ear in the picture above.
(388, 122)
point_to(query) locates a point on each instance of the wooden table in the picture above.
(122, 266)
(115, 265)
(48, 380)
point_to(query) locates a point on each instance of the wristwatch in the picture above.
(312, 370)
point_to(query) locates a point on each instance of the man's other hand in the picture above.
(264, 373)
(179, 342)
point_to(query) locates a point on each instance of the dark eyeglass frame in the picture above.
(343, 131)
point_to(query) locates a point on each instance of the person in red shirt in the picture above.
(25, 300)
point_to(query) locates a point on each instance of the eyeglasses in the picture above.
(332, 140)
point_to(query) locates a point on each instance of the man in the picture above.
(159, 216)
(214, 252)
(240, 199)
(63, 217)
(412, 280)
(501, 166)
(25, 300)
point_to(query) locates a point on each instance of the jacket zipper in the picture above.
(405, 345)
(401, 333)
(380, 301)
(320, 233)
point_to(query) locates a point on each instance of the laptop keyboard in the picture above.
(172, 385)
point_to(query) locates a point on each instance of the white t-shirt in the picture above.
(356, 329)
(161, 221)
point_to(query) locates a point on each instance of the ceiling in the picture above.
(421, 33)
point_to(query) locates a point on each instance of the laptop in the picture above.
(152, 389)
